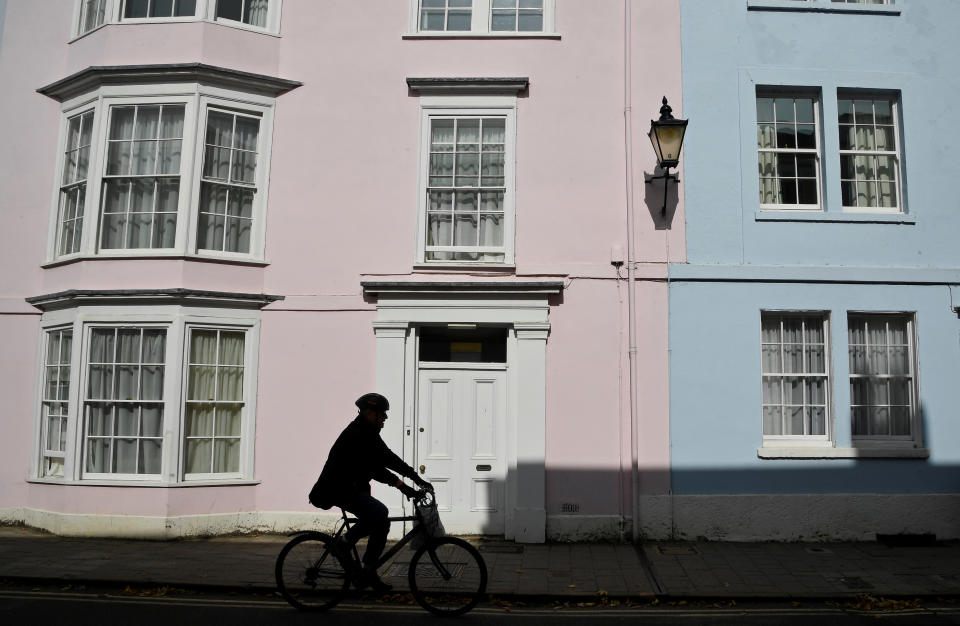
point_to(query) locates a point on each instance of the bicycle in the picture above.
(447, 575)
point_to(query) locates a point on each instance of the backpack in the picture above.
(320, 495)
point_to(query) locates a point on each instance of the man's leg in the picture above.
(372, 522)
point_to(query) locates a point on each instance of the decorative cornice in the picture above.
(451, 287)
(469, 85)
(77, 297)
(98, 75)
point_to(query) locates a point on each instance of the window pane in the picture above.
(226, 455)
(530, 21)
(199, 454)
(458, 20)
(230, 9)
(135, 8)
(503, 21)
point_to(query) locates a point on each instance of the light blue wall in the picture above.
(730, 47)
(742, 261)
(715, 398)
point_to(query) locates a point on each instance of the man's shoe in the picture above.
(368, 578)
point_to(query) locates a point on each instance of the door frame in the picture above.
(521, 307)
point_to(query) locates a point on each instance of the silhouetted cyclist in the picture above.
(358, 456)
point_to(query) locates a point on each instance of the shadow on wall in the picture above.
(839, 499)
(660, 192)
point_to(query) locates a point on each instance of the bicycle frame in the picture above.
(346, 522)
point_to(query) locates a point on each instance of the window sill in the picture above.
(824, 6)
(834, 216)
(813, 452)
(472, 35)
(229, 482)
(154, 257)
(228, 23)
(464, 265)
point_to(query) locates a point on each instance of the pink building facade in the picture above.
(224, 221)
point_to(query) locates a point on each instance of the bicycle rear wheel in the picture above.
(308, 575)
(447, 576)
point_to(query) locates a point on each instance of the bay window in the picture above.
(165, 393)
(255, 15)
(156, 168)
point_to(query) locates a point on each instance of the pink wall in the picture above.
(342, 208)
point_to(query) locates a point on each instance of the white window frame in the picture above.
(481, 15)
(177, 320)
(80, 27)
(894, 99)
(827, 438)
(205, 11)
(247, 401)
(914, 439)
(80, 421)
(44, 426)
(121, 9)
(783, 92)
(446, 106)
(197, 99)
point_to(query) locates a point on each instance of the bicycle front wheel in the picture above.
(308, 575)
(447, 576)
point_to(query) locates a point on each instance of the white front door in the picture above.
(461, 423)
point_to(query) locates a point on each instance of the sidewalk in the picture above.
(559, 571)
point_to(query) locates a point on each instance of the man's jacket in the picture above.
(358, 456)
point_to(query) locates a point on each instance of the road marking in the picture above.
(557, 612)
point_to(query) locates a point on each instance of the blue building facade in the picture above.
(814, 332)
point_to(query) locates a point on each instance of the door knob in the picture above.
(421, 430)
(423, 468)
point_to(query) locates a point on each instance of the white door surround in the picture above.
(523, 308)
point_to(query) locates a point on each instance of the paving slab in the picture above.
(563, 571)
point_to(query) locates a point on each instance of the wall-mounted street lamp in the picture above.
(666, 135)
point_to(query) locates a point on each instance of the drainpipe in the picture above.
(631, 271)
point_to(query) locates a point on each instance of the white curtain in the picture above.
(257, 12)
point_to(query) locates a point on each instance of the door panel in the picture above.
(461, 417)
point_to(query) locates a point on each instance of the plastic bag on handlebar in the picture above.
(429, 519)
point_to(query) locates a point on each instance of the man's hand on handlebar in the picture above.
(409, 492)
(423, 484)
